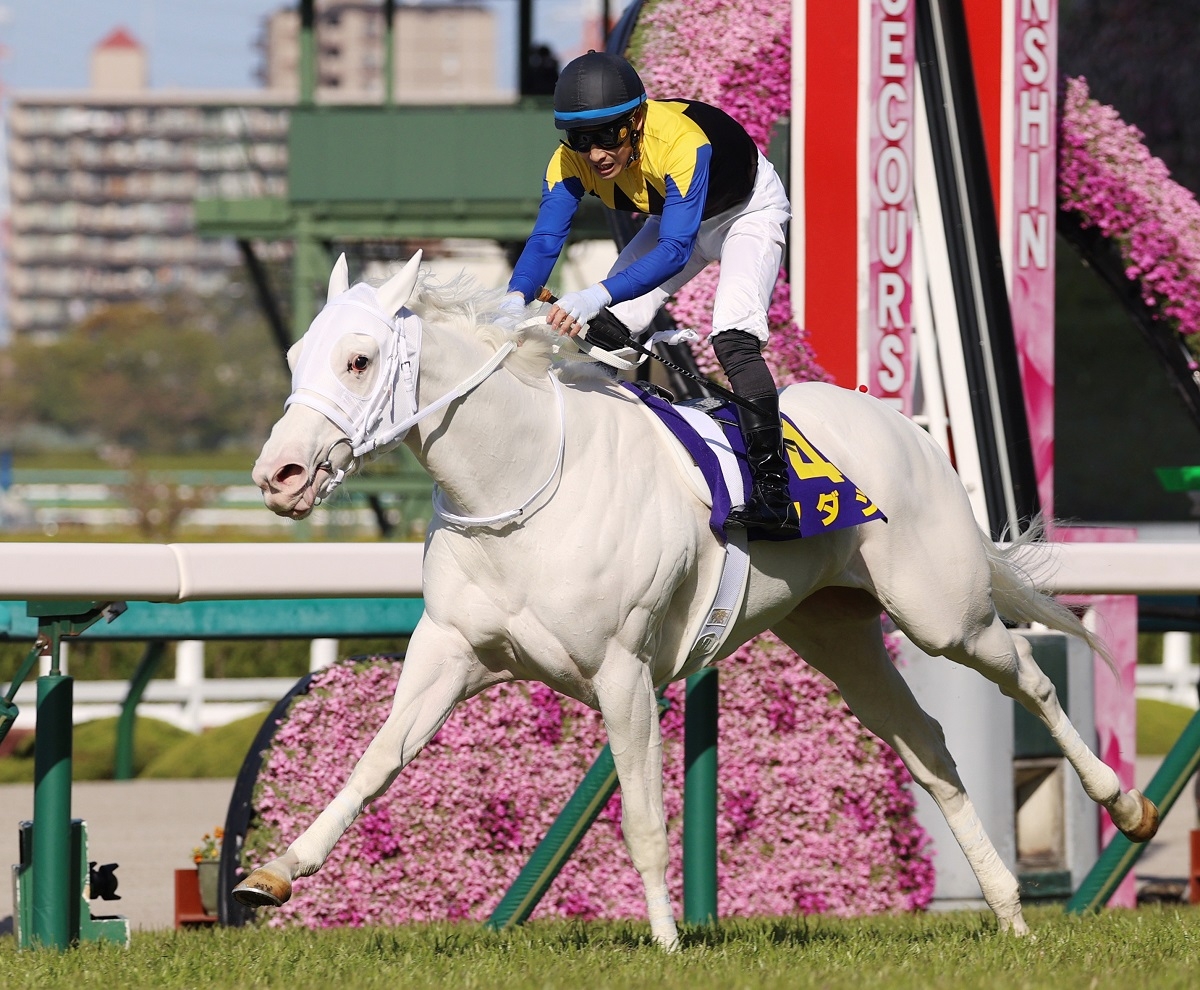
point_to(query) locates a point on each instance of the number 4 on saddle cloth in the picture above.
(707, 428)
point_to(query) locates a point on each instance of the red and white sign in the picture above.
(1028, 197)
(890, 92)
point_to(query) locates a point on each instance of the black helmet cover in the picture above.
(595, 89)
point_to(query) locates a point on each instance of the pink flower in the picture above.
(814, 812)
(1108, 177)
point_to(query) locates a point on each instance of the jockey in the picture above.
(709, 195)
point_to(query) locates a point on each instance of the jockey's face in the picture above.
(608, 163)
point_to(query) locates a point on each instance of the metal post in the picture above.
(127, 722)
(700, 799)
(310, 270)
(389, 53)
(524, 43)
(52, 808)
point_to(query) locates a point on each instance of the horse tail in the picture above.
(1017, 598)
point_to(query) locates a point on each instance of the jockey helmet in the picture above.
(594, 89)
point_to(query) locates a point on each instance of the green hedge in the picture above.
(160, 750)
(1159, 724)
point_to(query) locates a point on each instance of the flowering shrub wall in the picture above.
(1108, 177)
(734, 54)
(814, 812)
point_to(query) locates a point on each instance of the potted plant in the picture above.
(207, 857)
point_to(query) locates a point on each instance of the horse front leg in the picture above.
(439, 671)
(630, 712)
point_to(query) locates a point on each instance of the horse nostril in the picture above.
(286, 474)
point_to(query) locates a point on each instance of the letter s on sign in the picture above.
(891, 363)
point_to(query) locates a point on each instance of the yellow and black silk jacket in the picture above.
(695, 162)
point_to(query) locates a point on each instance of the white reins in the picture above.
(468, 522)
(362, 443)
(369, 444)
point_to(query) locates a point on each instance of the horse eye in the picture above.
(359, 362)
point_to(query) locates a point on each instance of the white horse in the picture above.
(576, 554)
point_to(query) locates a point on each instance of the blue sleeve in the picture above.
(533, 268)
(677, 232)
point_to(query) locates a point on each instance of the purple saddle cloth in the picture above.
(825, 498)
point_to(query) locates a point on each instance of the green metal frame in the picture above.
(1177, 768)
(82, 926)
(284, 618)
(55, 917)
(599, 784)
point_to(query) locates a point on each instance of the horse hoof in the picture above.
(1147, 825)
(263, 889)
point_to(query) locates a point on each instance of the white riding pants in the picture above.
(747, 239)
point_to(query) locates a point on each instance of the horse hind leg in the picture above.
(839, 633)
(1006, 658)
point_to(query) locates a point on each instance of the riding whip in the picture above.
(606, 330)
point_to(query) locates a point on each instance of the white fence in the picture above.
(1176, 678)
(193, 702)
(191, 572)
(189, 701)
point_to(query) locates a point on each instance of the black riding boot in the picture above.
(770, 506)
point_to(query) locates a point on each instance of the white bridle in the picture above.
(381, 419)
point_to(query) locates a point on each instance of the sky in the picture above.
(194, 44)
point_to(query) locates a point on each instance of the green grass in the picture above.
(1150, 946)
(1159, 724)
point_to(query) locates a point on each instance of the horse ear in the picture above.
(339, 278)
(395, 292)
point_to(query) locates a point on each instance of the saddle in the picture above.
(707, 428)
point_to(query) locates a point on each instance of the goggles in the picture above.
(607, 137)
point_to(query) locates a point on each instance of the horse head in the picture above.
(353, 387)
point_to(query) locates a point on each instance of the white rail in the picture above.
(176, 572)
(197, 571)
(200, 571)
(200, 705)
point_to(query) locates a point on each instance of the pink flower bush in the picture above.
(1108, 177)
(814, 812)
(737, 56)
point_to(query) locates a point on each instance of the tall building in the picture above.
(442, 53)
(102, 182)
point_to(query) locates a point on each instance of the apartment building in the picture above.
(102, 183)
(442, 53)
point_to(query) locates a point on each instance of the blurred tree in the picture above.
(176, 374)
(1139, 56)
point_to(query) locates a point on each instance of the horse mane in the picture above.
(465, 306)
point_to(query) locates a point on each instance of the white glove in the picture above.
(583, 306)
(513, 304)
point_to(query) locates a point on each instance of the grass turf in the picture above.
(911, 952)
